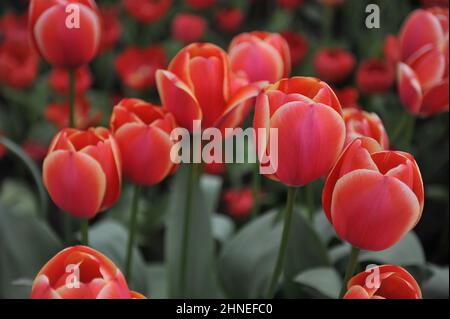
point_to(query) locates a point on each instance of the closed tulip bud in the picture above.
(375, 76)
(65, 33)
(333, 65)
(373, 197)
(360, 123)
(83, 171)
(262, 56)
(80, 272)
(311, 130)
(142, 131)
(383, 282)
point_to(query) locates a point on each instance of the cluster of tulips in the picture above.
(373, 195)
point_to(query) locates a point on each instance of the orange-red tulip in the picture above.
(360, 123)
(311, 130)
(142, 131)
(65, 41)
(383, 282)
(423, 73)
(373, 197)
(262, 56)
(199, 85)
(80, 272)
(83, 171)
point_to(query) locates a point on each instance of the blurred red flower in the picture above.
(137, 66)
(14, 30)
(229, 19)
(18, 66)
(434, 3)
(111, 28)
(348, 97)
(214, 168)
(238, 202)
(391, 50)
(35, 150)
(298, 46)
(188, 28)
(59, 80)
(375, 76)
(200, 4)
(147, 11)
(290, 4)
(333, 65)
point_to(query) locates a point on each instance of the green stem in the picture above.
(349, 272)
(310, 200)
(71, 98)
(284, 241)
(256, 187)
(328, 21)
(85, 232)
(132, 230)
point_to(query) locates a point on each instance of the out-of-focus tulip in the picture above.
(14, 31)
(111, 28)
(333, 65)
(63, 41)
(188, 28)
(391, 50)
(200, 4)
(434, 3)
(35, 150)
(59, 113)
(214, 168)
(83, 171)
(348, 97)
(18, 68)
(229, 19)
(311, 130)
(198, 85)
(147, 11)
(262, 56)
(2, 148)
(80, 272)
(383, 282)
(332, 3)
(59, 80)
(137, 67)
(298, 46)
(375, 76)
(142, 131)
(373, 197)
(360, 123)
(239, 202)
(290, 4)
(423, 75)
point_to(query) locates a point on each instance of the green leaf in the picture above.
(325, 280)
(157, 281)
(110, 238)
(18, 197)
(201, 271)
(26, 244)
(438, 285)
(222, 227)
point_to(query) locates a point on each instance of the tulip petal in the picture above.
(42, 289)
(409, 88)
(428, 65)
(436, 99)
(356, 292)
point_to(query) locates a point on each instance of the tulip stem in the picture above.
(85, 232)
(72, 98)
(310, 200)
(328, 21)
(349, 272)
(256, 190)
(284, 241)
(132, 230)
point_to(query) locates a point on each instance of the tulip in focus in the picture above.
(311, 130)
(80, 272)
(392, 282)
(188, 28)
(59, 36)
(359, 123)
(147, 11)
(142, 131)
(262, 56)
(59, 80)
(83, 171)
(373, 197)
(375, 76)
(333, 65)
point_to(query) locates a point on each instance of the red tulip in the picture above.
(332, 3)
(348, 97)
(58, 114)
(147, 11)
(359, 123)
(298, 46)
(35, 150)
(83, 171)
(290, 4)
(262, 56)
(18, 68)
(383, 282)
(142, 131)
(59, 80)
(375, 76)
(423, 73)
(333, 65)
(434, 3)
(199, 85)
(56, 35)
(188, 27)
(214, 168)
(14, 30)
(391, 49)
(2, 148)
(137, 67)
(200, 4)
(311, 130)
(111, 28)
(239, 202)
(229, 19)
(80, 272)
(373, 197)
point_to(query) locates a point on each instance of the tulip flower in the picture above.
(229, 19)
(198, 85)
(360, 123)
(348, 97)
(80, 272)
(18, 67)
(423, 75)
(59, 80)
(14, 30)
(262, 56)
(35, 150)
(147, 11)
(333, 65)
(188, 28)
(383, 282)
(290, 4)
(111, 28)
(298, 46)
(214, 168)
(200, 4)
(83, 171)
(137, 66)
(65, 33)
(239, 202)
(373, 197)
(375, 76)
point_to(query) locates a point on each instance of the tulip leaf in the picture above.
(157, 281)
(325, 280)
(222, 227)
(26, 244)
(437, 287)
